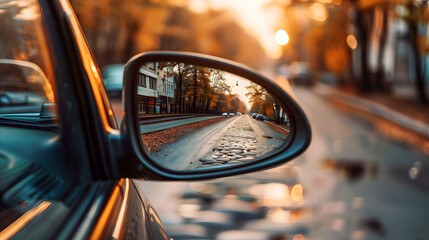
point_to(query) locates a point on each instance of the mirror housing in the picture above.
(137, 164)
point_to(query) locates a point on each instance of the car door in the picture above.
(46, 185)
(123, 214)
(51, 153)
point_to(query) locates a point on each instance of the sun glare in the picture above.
(253, 15)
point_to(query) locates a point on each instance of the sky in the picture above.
(238, 86)
(257, 19)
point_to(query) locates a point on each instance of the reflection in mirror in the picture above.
(197, 117)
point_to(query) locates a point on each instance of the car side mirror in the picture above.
(190, 116)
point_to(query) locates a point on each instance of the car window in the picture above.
(26, 66)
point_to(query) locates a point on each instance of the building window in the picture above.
(142, 80)
(152, 83)
(142, 105)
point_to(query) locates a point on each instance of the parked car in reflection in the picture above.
(260, 117)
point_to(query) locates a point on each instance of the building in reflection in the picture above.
(155, 89)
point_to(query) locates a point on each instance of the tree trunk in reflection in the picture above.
(412, 37)
(194, 94)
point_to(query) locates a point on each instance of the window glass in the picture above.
(152, 83)
(142, 80)
(26, 71)
(142, 105)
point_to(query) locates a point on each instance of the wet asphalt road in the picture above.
(357, 183)
(376, 200)
(235, 140)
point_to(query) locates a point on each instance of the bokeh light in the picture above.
(279, 215)
(281, 37)
(297, 192)
(352, 41)
(318, 12)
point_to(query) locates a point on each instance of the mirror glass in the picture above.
(193, 117)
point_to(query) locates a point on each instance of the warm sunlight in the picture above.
(259, 20)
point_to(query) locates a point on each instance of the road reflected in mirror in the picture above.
(197, 117)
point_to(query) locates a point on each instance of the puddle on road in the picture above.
(352, 170)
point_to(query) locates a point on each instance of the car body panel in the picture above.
(132, 219)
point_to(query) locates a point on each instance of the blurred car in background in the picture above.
(254, 115)
(113, 79)
(260, 117)
(299, 73)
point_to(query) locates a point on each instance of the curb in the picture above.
(275, 125)
(374, 108)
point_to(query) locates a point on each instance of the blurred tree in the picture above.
(218, 85)
(326, 26)
(180, 72)
(326, 43)
(371, 21)
(416, 15)
(196, 87)
(200, 87)
(117, 30)
(236, 105)
(112, 27)
(317, 32)
(261, 101)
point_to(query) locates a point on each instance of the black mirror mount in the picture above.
(138, 164)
